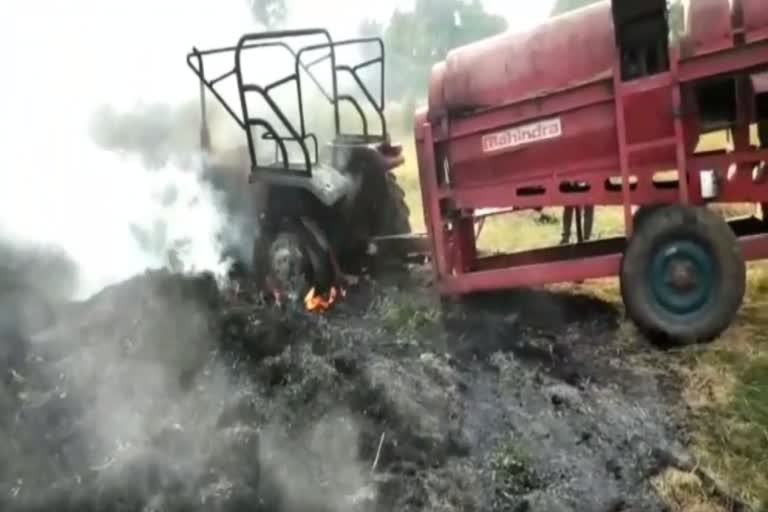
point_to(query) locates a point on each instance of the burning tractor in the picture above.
(604, 106)
(318, 208)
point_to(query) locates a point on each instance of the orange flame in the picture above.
(318, 304)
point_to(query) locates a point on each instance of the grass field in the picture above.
(725, 383)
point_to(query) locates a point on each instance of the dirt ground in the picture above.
(166, 393)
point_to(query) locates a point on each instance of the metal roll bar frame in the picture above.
(298, 135)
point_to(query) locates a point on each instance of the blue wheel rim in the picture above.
(682, 277)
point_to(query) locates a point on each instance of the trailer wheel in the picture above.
(642, 214)
(683, 275)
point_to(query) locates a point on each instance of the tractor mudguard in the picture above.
(390, 156)
(327, 184)
(354, 158)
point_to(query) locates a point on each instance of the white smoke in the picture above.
(96, 206)
(61, 60)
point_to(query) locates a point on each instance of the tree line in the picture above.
(416, 39)
(563, 6)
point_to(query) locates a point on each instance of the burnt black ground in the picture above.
(163, 393)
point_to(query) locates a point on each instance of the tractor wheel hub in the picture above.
(288, 267)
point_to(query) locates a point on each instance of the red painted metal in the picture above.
(754, 247)
(752, 58)
(710, 27)
(755, 16)
(523, 121)
(620, 109)
(533, 269)
(760, 82)
(428, 182)
(681, 151)
(515, 66)
(537, 270)
(583, 96)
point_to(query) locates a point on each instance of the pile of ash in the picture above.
(163, 393)
(167, 393)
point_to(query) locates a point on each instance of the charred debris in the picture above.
(167, 392)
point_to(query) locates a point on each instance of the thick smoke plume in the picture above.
(114, 214)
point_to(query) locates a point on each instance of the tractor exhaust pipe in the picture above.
(205, 134)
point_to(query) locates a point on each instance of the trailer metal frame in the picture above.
(449, 208)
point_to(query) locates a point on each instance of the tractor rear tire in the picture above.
(683, 275)
(387, 215)
(392, 215)
(292, 262)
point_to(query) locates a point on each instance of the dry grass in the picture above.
(684, 492)
(727, 391)
(725, 385)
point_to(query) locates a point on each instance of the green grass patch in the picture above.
(513, 474)
(404, 314)
(751, 400)
(733, 439)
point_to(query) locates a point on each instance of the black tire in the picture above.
(310, 268)
(392, 215)
(683, 275)
(642, 214)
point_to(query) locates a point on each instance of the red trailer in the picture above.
(590, 108)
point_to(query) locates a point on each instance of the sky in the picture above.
(61, 60)
(113, 50)
(521, 14)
